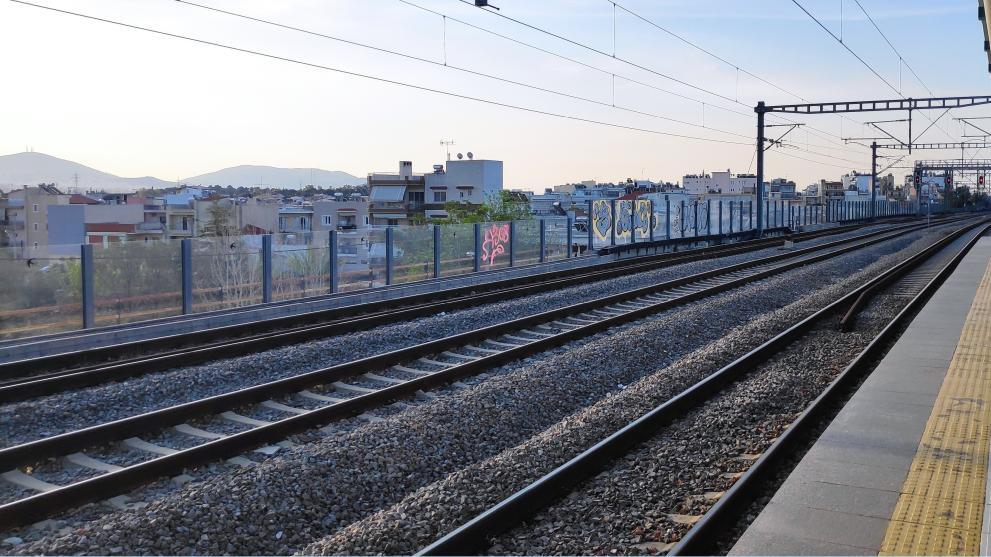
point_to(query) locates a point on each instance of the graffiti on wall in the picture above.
(641, 220)
(601, 219)
(624, 219)
(494, 242)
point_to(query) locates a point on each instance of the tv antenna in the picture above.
(447, 144)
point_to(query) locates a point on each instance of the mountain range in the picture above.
(31, 168)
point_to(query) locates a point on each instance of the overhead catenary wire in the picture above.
(858, 57)
(373, 77)
(455, 67)
(608, 55)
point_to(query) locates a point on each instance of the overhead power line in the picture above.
(454, 67)
(600, 52)
(372, 77)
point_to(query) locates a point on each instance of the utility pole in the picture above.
(759, 189)
(873, 180)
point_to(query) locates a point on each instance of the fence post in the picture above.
(695, 219)
(650, 220)
(335, 278)
(266, 268)
(388, 255)
(86, 270)
(436, 251)
(708, 217)
(720, 211)
(570, 235)
(731, 216)
(667, 216)
(612, 221)
(750, 212)
(543, 240)
(741, 216)
(591, 233)
(477, 258)
(186, 280)
(512, 243)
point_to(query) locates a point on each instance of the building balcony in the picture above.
(12, 224)
(150, 227)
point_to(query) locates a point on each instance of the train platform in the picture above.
(902, 469)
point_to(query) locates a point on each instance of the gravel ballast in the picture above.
(437, 509)
(284, 503)
(50, 415)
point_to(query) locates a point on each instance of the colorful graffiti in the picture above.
(494, 242)
(601, 219)
(624, 219)
(642, 218)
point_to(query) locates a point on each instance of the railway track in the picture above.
(322, 396)
(145, 356)
(928, 268)
(28, 378)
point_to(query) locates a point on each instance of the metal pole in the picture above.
(335, 278)
(389, 233)
(512, 242)
(731, 217)
(682, 229)
(591, 233)
(873, 179)
(650, 220)
(760, 164)
(740, 212)
(612, 221)
(477, 252)
(436, 251)
(266, 268)
(695, 219)
(86, 270)
(708, 217)
(667, 216)
(543, 240)
(570, 235)
(720, 211)
(186, 251)
(750, 213)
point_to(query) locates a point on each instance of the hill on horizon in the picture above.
(274, 177)
(32, 168)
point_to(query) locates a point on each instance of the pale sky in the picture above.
(134, 103)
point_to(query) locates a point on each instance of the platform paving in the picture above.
(888, 476)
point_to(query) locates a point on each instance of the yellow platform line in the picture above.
(941, 506)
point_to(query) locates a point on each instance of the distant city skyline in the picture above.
(133, 103)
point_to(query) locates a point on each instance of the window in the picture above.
(36, 226)
(462, 194)
(36, 245)
(440, 196)
(416, 197)
(393, 222)
(328, 220)
(34, 208)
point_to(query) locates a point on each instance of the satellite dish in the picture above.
(460, 156)
(470, 156)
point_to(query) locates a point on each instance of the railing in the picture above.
(12, 224)
(134, 281)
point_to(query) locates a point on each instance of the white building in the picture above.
(466, 181)
(724, 183)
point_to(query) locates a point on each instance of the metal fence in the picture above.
(58, 288)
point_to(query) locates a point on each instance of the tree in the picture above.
(500, 206)
(221, 221)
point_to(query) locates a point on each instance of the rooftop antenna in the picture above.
(447, 144)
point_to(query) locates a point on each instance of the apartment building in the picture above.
(25, 216)
(395, 198)
(340, 215)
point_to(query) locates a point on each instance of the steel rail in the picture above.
(703, 537)
(512, 511)
(21, 387)
(289, 324)
(264, 333)
(111, 483)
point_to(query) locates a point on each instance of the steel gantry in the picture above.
(947, 166)
(908, 105)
